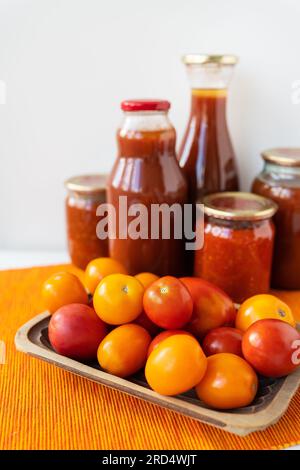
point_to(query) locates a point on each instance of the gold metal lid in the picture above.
(238, 206)
(199, 59)
(288, 156)
(87, 184)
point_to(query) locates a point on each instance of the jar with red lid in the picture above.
(147, 173)
(85, 193)
(238, 243)
(280, 181)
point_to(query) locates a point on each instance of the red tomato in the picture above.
(168, 303)
(76, 331)
(212, 307)
(223, 340)
(144, 321)
(163, 335)
(272, 347)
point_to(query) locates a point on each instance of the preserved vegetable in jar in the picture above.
(147, 172)
(85, 193)
(238, 244)
(206, 153)
(280, 181)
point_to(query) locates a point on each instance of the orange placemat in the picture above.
(42, 407)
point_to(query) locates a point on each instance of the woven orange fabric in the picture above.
(42, 407)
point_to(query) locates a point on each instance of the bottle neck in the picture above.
(212, 101)
(281, 171)
(146, 134)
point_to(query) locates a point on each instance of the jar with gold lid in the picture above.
(280, 181)
(85, 193)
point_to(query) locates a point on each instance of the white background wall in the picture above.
(68, 63)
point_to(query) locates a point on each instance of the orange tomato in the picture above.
(260, 307)
(61, 289)
(146, 278)
(98, 268)
(118, 299)
(124, 350)
(229, 382)
(176, 365)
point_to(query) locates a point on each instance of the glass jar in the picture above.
(206, 153)
(238, 244)
(85, 193)
(147, 172)
(280, 181)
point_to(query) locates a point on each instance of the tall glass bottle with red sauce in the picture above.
(147, 172)
(206, 154)
(280, 181)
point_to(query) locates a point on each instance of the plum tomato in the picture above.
(272, 347)
(76, 331)
(61, 289)
(229, 382)
(124, 350)
(146, 279)
(163, 335)
(168, 303)
(212, 308)
(263, 306)
(118, 299)
(176, 365)
(98, 268)
(223, 340)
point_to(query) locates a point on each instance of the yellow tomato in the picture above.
(118, 299)
(124, 350)
(61, 289)
(260, 307)
(176, 365)
(146, 278)
(98, 268)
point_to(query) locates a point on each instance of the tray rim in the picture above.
(239, 424)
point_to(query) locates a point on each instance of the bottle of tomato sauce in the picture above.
(146, 174)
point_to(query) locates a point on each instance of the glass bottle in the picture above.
(206, 153)
(147, 172)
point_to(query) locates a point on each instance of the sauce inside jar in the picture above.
(238, 244)
(146, 172)
(280, 181)
(85, 193)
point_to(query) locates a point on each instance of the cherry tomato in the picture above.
(124, 350)
(223, 340)
(76, 331)
(212, 308)
(229, 382)
(168, 303)
(163, 335)
(176, 365)
(272, 347)
(146, 279)
(61, 289)
(263, 306)
(98, 268)
(118, 299)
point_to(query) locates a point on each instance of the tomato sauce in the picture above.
(85, 193)
(146, 172)
(238, 244)
(281, 182)
(206, 153)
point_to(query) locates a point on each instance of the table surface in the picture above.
(12, 259)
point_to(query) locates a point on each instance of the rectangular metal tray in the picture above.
(271, 402)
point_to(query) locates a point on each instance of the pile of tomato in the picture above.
(186, 333)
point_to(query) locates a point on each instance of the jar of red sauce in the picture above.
(206, 153)
(146, 172)
(85, 193)
(238, 243)
(280, 181)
